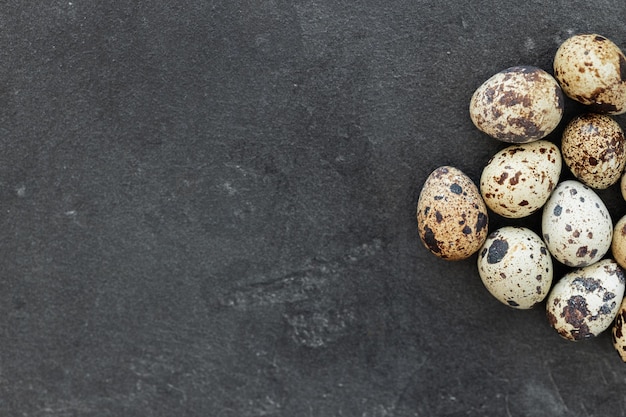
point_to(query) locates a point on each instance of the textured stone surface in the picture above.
(208, 209)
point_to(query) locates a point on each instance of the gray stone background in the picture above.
(207, 208)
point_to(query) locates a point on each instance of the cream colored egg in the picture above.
(619, 331)
(452, 217)
(515, 267)
(593, 149)
(618, 245)
(623, 186)
(576, 225)
(592, 70)
(585, 302)
(520, 104)
(518, 180)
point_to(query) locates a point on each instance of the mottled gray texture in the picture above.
(207, 208)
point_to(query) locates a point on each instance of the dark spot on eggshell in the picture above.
(543, 250)
(515, 179)
(538, 289)
(430, 240)
(599, 38)
(481, 222)
(547, 239)
(576, 233)
(605, 309)
(438, 216)
(523, 203)
(557, 210)
(551, 318)
(589, 284)
(538, 277)
(608, 296)
(497, 251)
(582, 252)
(456, 188)
(502, 178)
(573, 191)
(483, 252)
(512, 303)
(575, 313)
(467, 230)
(568, 227)
(593, 253)
(438, 197)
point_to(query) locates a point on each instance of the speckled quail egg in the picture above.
(515, 267)
(518, 180)
(619, 331)
(520, 104)
(623, 186)
(451, 214)
(576, 225)
(585, 301)
(593, 149)
(592, 70)
(618, 245)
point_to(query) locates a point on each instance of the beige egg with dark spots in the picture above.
(619, 331)
(593, 149)
(518, 105)
(515, 267)
(591, 69)
(518, 180)
(452, 217)
(576, 225)
(618, 245)
(584, 303)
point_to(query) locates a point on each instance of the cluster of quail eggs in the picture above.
(521, 106)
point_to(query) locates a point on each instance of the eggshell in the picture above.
(623, 186)
(592, 70)
(619, 331)
(451, 215)
(515, 267)
(520, 104)
(618, 245)
(585, 302)
(576, 225)
(518, 180)
(593, 149)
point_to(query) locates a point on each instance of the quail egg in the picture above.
(451, 214)
(515, 267)
(592, 70)
(520, 104)
(585, 301)
(593, 149)
(518, 180)
(576, 225)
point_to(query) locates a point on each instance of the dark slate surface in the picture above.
(207, 209)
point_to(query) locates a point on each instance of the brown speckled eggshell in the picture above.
(518, 180)
(452, 217)
(585, 301)
(518, 105)
(592, 70)
(593, 149)
(619, 331)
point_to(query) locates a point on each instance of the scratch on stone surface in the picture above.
(296, 285)
(556, 387)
